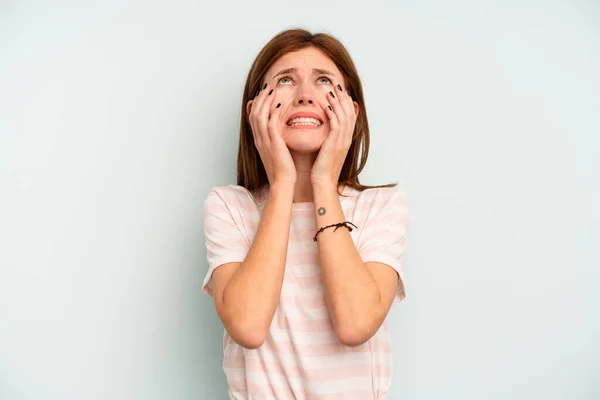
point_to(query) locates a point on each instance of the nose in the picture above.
(304, 94)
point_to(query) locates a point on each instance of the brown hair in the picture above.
(251, 172)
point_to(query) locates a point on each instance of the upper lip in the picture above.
(304, 114)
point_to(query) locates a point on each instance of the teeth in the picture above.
(304, 121)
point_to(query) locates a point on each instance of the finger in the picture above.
(253, 123)
(275, 121)
(256, 136)
(253, 115)
(257, 101)
(337, 108)
(345, 100)
(333, 119)
(263, 112)
(349, 118)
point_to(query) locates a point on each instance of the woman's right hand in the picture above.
(265, 121)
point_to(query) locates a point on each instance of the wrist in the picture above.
(282, 188)
(326, 186)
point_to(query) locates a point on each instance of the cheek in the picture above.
(284, 91)
(324, 92)
(285, 97)
(287, 94)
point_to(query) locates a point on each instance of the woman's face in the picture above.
(302, 81)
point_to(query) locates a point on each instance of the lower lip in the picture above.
(304, 126)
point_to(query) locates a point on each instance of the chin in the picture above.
(304, 140)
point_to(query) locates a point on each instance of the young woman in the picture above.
(304, 261)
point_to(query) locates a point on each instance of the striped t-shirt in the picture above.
(301, 357)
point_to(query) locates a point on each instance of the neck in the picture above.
(303, 190)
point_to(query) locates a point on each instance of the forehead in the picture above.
(304, 60)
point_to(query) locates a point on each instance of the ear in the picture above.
(356, 108)
(249, 107)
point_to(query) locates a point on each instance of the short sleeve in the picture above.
(225, 242)
(383, 236)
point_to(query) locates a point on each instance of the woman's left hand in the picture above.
(342, 119)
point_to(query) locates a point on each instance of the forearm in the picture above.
(253, 292)
(350, 289)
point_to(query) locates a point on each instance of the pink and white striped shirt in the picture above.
(301, 357)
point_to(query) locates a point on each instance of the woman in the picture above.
(304, 261)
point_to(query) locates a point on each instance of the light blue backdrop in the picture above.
(116, 118)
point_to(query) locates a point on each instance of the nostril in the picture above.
(300, 101)
(310, 102)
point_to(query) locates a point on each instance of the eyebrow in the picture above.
(315, 71)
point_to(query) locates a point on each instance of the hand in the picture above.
(265, 121)
(342, 113)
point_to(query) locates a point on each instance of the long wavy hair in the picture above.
(251, 172)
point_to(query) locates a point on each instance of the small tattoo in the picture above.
(321, 211)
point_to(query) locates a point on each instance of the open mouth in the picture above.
(304, 122)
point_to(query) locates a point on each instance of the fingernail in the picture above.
(339, 87)
(257, 92)
(330, 108)
(331, 93)
(278, 104)
(264, 87)
(271, 91)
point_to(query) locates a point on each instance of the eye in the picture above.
(283, 80)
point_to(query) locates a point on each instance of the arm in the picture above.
(247, 294)
(359, 295)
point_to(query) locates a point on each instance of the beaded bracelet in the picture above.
(339, 224)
